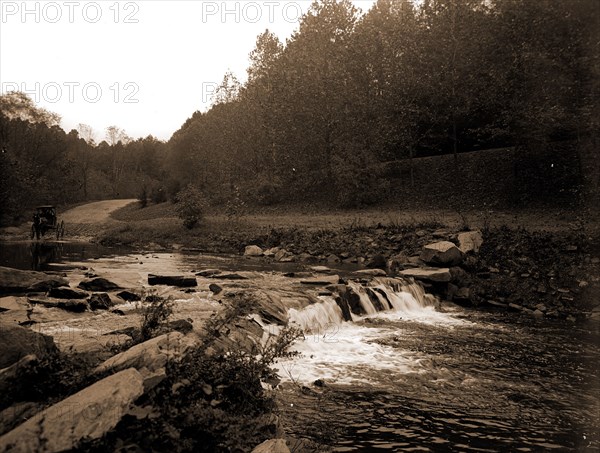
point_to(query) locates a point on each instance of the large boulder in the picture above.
(272, 446)
(443, 253)
(16, 281)
(470, 241)
(98, 284)
(150, 357)
(431, 274)
(253, 250)
(17, 342)
(172, 280)
(65, 292)
(72, 305)
(100, 301)
(89, 414)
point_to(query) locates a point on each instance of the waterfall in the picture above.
(385, 296)
(317, 317)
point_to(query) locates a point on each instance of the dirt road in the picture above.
(97, 212)
(86, 221)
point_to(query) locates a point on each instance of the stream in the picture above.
(407, 374)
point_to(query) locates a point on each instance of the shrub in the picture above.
(212, 400)
(235, 207)
(143, 198)
(190, 206)
(155, 314)
(158, 195)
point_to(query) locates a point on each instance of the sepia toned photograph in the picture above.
(299, 226)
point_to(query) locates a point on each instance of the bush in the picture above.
(143, 198)
(190, 206)
(154, 316)
(212, 400)
(158, 195)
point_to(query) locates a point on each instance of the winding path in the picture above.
(86, 221)
(96, 212)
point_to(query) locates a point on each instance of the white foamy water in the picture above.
(347, 352)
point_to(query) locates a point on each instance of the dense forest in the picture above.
(321, 116)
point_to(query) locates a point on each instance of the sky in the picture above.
(144, 66)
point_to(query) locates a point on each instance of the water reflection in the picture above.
(40, 255)
(43, 253)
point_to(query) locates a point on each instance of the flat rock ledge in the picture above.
(89, 414)
(430, 274)
(16, 281)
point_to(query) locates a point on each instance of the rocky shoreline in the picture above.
(535, 274)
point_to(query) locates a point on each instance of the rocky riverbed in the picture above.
(94, 309)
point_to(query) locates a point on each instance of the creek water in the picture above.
(407, 373)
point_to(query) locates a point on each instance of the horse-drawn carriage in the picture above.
(45, 220)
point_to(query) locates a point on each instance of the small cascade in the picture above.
(364, 299)
(317, 317)
(341, 346)
(381, 297)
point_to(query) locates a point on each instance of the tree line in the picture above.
(347, 92)
(40, 163)
(320, 115)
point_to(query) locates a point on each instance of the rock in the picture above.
(342, 299)
(298, 274)
(324, 280)
(372, 272)
(16, 414)
(231, 276)
(283, 255)
(172, 280)
(321, 269)
(441, 253)
(215, 289)
(462, 295)
(271, 252)
(16, 342)
(65, 292)
(332, 259)
(149, 357)
(272, 446)
(89, 414)
(75, 306)
(470, 241)
(440, 234)
(16, 281)
(98, 284)
(497, 304)
(253, 250)
(459, 276)
(13, 303)
(441, 274)
(377, 262)
(128, 296)
(538, 314)
(100, 301)
(27, 368)
(208, 273)
(307, 258)
(181, 325)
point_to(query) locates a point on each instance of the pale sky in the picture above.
(90, 61)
